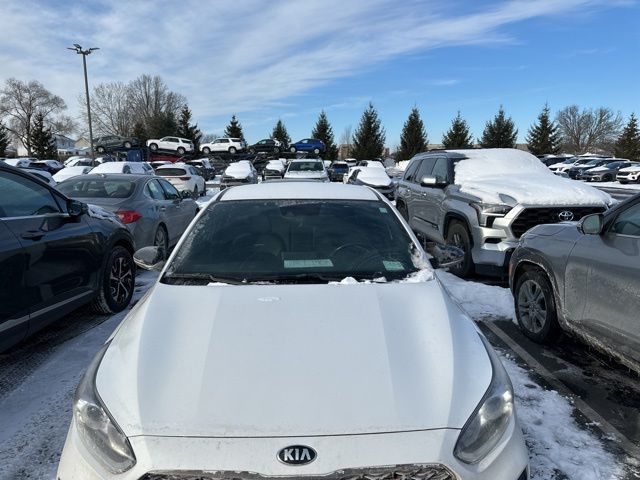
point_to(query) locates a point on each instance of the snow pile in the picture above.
(557, 444)
(374, 176)
(402, 165)
(493, 173)
(479, 301)
(95, 211)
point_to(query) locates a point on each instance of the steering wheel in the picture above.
(339, 249)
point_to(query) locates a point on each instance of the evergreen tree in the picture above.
(413, 138)
(140, 132)
(186, 129)
(543, 137)
(161, 125)
(280, 133)
(42, 140)
(458, 135)
(234, 129)
(323, 131)
(628, 144)
(368, 141)
(501, 132)
(4, 139)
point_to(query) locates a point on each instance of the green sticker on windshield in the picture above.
(310, 263)
(393, 266)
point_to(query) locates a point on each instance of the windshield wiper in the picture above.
(199, 279)
(299, 278)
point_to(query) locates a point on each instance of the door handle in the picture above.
(32, 235)
(162, 209)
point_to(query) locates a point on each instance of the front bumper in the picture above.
(191, 458)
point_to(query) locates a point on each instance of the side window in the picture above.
(628, 222)
(20, 197)
(154, 190)
(441, 169)
(425, 169)
(170, 190)
(411, 170)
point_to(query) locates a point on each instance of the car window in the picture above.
(312, 166)
(411, 169)
(279, 240)
(96, 188)
(425, 169)
(154, 190)
(441, 169)
(170, 191)
(628, 222)
(171, 172)
(20, 197)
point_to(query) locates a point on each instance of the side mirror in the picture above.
(186, 194)
(445, 256)
(150, 258)
(428, 181)
(591, 224)
(76, 208)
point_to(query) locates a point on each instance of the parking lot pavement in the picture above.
(619, 191)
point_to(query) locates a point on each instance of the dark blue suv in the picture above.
(308, 145)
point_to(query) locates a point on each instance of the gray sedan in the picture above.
(583, 278)
(151, 208)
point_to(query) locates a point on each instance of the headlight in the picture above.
(488, 212)
(97, 429)
(491, 417)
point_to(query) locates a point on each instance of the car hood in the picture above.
(293, 360)
(534, 190)
(631, 169)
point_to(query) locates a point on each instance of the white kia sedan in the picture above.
(297, 331)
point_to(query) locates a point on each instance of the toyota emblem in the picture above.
(565, 216)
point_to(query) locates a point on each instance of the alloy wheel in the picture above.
(121, 280)
(532, 306)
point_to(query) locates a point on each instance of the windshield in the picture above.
(291, 241)
(171, 172)
(83, 188)
(306, 167)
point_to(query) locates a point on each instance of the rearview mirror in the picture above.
(186, 194)
(445, 256)
(591, 224)
(150, 258)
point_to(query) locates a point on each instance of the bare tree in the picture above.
(588, 129)
(20, 102)
(347, 135)
(111, 111)
(208, 137)
(151, 98)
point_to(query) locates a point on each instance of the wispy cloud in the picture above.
(237, 56)
(445, 82)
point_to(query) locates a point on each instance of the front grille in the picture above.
(530, 217)
(398, 472)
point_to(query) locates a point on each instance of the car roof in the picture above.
(134, 177)
(299, 190)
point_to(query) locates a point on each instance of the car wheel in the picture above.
(607, 178)
(181, 150)
(316, 151)
(117, 283)
(276, 149)
(536, 306)
(292, 149)
(232, 150)
(127, 144)
(458, 236)
(206, 150)
(161, 239)
(252, 151)
(402, 210)
(100, 149)
(153, 147)
(196, 192)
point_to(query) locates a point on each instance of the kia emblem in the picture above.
(565, 216)
(297, 455)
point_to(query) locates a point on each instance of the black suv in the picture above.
(267, 145)
(56, 254)
(108, 142)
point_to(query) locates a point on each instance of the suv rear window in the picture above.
(171, 172)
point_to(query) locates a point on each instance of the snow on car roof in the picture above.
(299, 190)
(372, 172)
(489, 162)
(239, 167)
(112, 167)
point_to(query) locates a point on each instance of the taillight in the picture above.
(185, 178)
(128, 216)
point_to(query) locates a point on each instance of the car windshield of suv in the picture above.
(171, 172)
(306, 167)
(97, 188)
(294, 241)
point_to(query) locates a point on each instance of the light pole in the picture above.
(78, 49)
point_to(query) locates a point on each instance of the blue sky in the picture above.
(291, 59)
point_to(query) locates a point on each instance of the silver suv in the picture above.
(483, 200)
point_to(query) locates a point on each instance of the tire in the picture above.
(206, 150)
(114, 294)
(607, 178)
(292, 149)
(536, 306)
(232, 150)
(316, 151)
(276, 149)
(161, 239)
(181, 150)
(196, 192)
(127, 145)
(459, 236)
(402, 210)
(252, 151)
(153, 147)
(623, 182)
(100, 149)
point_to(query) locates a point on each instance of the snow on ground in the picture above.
(35, 417)
(628, 186)
(558, 446)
